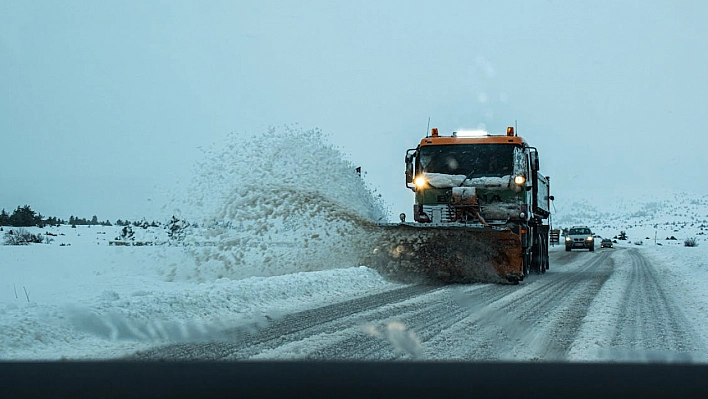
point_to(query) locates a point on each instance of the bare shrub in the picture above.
(20, 236)
(690, 242)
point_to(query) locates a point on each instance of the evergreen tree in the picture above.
(39, 221)
(126, 234)
(176, 229)
(23, 217)
(4, 218)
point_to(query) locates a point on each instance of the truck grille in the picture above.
(439, 213)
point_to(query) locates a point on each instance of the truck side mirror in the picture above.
(534, 161)
(409, 167)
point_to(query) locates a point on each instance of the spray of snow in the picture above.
(278, 203)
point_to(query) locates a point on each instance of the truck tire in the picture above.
(537, 254)
(546, 249)
(548, 259)
(544, 254)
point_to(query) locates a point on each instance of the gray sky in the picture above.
(104, 104)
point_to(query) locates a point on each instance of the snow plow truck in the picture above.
(480, 213)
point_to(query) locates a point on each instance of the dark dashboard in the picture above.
(112, 379)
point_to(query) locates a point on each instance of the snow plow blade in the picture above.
(451, 254)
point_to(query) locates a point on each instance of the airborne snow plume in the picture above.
(278, 203)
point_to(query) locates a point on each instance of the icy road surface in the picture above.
(607, 305)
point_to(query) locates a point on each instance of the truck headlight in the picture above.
(420, 182)
(519, 180)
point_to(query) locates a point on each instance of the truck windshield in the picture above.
(472, 160)
(579, 231)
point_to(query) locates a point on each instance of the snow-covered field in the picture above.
(92, 300)
(276, 227)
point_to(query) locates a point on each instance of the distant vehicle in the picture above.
(606, 243)
(580, 237)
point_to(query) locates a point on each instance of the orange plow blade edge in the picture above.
(452, 254)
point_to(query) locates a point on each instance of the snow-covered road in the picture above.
(616, 293)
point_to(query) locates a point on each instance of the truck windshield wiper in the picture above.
(469, 176)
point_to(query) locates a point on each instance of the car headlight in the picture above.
(589, 238)
(568, 238)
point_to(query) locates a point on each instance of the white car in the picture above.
(579, 237)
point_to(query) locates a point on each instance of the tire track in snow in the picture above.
(483, 313)
(649, 323)
(426, 317)
(539, 321)
(535, 320)
(278, 330)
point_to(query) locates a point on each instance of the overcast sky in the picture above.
(105, 104)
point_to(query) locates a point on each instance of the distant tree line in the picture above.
(138, 223)
(25, 216)
(74, 221)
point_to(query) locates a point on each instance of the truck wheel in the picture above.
(546, 259)
(537, 254)
(544, 254)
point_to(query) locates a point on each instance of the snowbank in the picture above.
(92, 300)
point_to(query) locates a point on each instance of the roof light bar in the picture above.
(470, 133)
